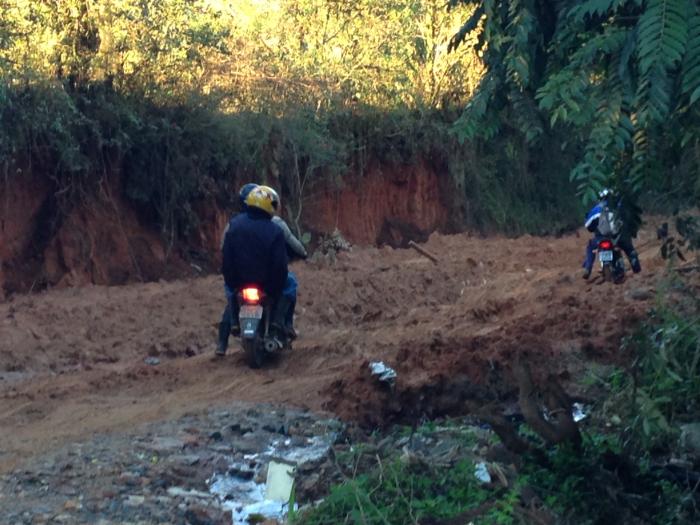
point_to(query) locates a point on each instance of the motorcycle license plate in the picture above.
(251, 312)
(605, 256)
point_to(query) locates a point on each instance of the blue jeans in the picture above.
(590, 255)
(290, 291)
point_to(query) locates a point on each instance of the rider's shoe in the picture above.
(222, 343)
(586, 274)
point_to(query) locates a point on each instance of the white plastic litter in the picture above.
(579, 412)
(482, 472)
(383, 372)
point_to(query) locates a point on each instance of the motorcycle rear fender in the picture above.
(249, 327)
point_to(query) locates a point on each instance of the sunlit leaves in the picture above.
(249, 54)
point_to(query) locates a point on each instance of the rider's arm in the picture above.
(227, 267)
(592, 218)
(294, 244)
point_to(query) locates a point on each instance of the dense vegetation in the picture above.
(620, 79)
(188, 99)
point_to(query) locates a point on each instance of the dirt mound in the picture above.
(72, 360)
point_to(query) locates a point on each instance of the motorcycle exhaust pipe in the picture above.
(271, 345)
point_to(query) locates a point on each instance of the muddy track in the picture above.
(72, 360)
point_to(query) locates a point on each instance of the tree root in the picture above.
(557, 427)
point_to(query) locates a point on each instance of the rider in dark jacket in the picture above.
(254, 252)
(624, 241)
(229, 318)
(295, 250)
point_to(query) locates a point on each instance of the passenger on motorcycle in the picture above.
(295, 250)
(254, 251)
(607, 213)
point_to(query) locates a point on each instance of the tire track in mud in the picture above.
(71, 360)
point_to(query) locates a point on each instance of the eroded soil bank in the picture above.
(49, 241)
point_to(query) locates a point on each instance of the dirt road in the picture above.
(72, 360)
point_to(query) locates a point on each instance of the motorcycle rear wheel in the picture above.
(253, 354)
(607, 273)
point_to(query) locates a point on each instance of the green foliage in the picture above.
(622, 489)
(565, 478)
(398, 493)
(251, 55)
(187, 98)
(520, 192)
(665, 387)
(621, 77)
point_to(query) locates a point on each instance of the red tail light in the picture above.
(605, 245)
(251, 295)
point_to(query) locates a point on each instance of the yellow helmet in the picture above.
(264, 198)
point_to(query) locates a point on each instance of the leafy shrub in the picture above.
(664, 388)
(171, 155)
(398, 493)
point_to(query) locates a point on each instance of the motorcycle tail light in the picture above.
(251, 295)
(605, 245)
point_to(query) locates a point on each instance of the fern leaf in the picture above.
(691, 62)
(662, 34)
(521, 26)
(476, 120)
(591, 8)
(467, 27)
(624, 67)
(695, 96)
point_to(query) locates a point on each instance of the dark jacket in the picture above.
(254, 252)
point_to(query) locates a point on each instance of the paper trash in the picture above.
(280, 479)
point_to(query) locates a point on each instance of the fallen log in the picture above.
(423, 252)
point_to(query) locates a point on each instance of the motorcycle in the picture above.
(255, 314)
(611, 262)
